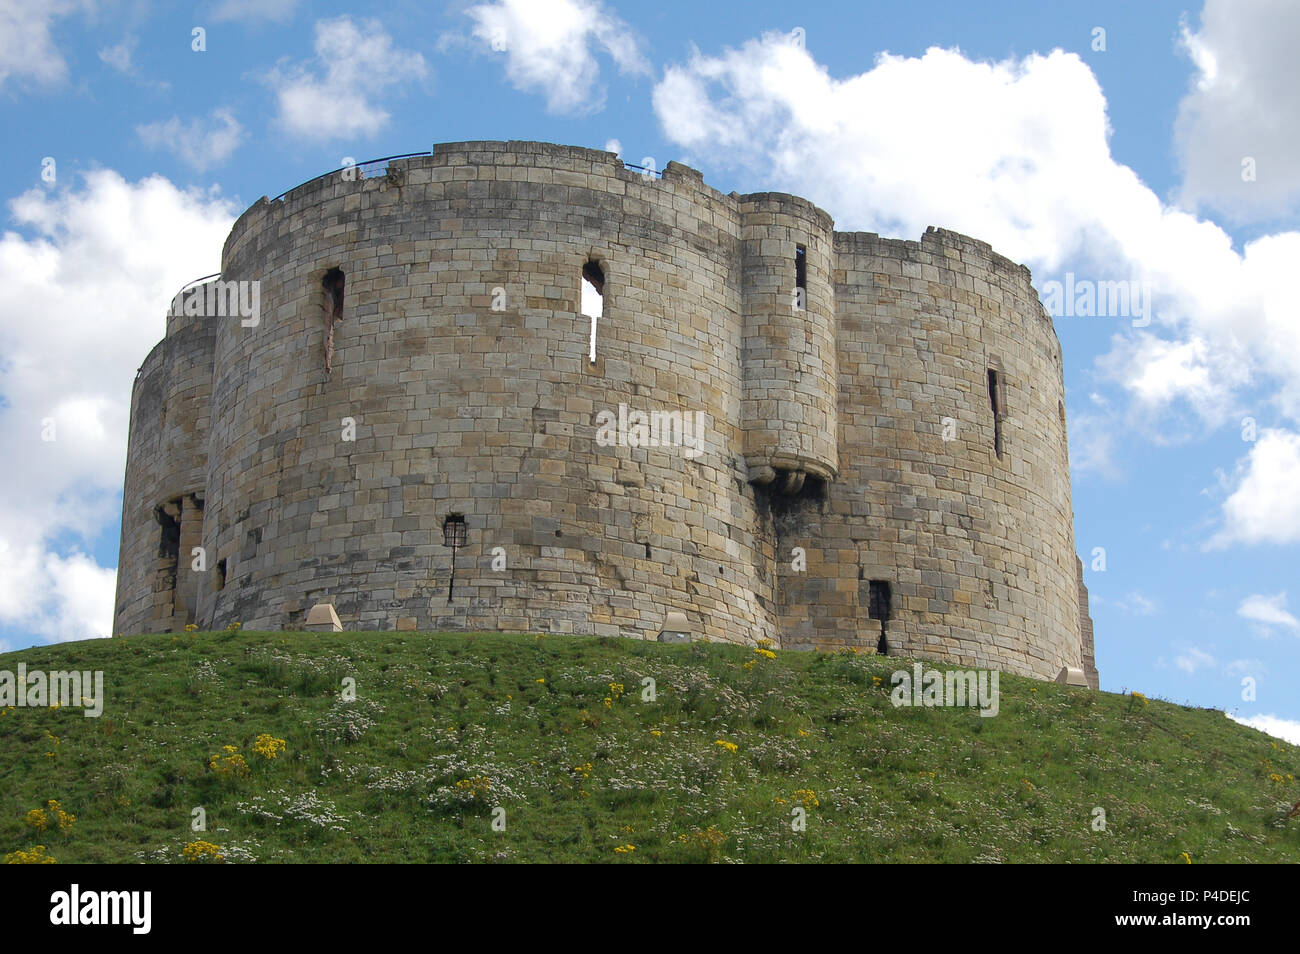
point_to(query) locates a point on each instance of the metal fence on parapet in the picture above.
(370, 169)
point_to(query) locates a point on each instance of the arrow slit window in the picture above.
(593, 300)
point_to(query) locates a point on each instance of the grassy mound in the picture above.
(740, 755)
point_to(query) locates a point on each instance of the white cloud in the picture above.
(119, 56)
(1267, 610)
(359, 64)
(1015, 153)
(1159, 373)
(1244, 667)
(1286, 729)
(1194, 659)
(277, 10)
(614, 146)
(1244, 102)
(201, 143)
(550, 45)
(1138, 605)
(1092, 445)
(84, 289)
(1264, 506)
(26, 47)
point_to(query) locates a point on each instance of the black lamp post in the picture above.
(454, 536)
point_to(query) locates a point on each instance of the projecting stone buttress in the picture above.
(772, 430)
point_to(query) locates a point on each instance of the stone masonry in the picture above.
(883, 463)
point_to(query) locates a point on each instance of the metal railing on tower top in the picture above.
(370, 169)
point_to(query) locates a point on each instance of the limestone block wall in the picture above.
(1089, 659)
(977, 548)
(895, 448)
(165, 474)
(461, 409)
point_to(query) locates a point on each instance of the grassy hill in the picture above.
(555, 730)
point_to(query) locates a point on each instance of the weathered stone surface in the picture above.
(322, 618)
(1073, 676)
(852, 422)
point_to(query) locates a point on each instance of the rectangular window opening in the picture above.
(219, 578)
(169, 540)
(168, 516)
(878, 601)
(593, 300)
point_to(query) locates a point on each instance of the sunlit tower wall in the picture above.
(880, 462)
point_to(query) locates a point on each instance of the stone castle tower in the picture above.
(855, 441)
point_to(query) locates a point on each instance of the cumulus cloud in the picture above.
(84, 288)
(1287, 729)
(201, 142)
(1263, 506)
(1243, 104)
(26, 47)
(1167, 376)
(1267, 610)
(338, 96)
(550, 47)
(1015, 153)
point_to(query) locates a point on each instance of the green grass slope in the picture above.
(559, 733)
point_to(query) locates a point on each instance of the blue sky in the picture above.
(1167, 157)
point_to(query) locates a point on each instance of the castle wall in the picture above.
(977, 549)
(461, 386)
(165, 474)
(1086, 650)
(490, 414)
(790, 382)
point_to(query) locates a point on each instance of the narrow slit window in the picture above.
(593, 300)
(168, 566)
(995, 403)
(878, 608)
(800, 277)
(219, 580)
(333, 286)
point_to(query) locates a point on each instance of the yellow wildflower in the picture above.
(197, 851)
(36, 856)
(268, 746)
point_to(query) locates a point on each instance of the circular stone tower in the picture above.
(749, 421)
